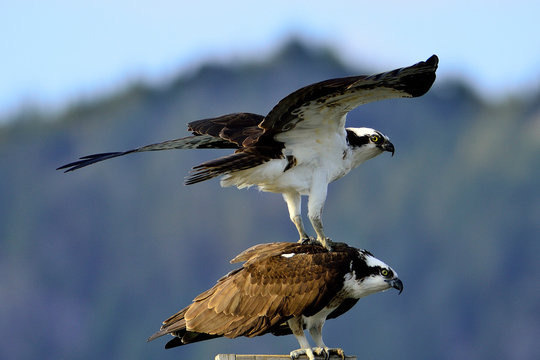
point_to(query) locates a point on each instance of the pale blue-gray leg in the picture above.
(294, 204)
(317, 197)
(297, 329)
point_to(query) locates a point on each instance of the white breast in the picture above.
(316, 154)
(318, 318)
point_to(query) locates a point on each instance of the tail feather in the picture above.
(188, 337)
(224, 165)
(176, 341)
(160, 333)
(176, 326)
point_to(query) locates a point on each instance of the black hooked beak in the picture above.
(388, 146)
(396, 284)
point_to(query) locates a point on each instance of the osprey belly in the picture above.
(272, 176)
(292, 174)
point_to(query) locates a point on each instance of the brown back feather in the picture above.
(262, 295)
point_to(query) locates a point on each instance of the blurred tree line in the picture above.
(94, 260)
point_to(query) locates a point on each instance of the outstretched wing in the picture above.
(314, 113)
(318, 109)
(324, 105)
(224, 132)
(263, 294)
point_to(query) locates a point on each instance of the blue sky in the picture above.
(56, 52)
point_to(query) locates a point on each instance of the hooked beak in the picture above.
(388, 146)
(396, 284)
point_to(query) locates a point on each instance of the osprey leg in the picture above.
(322, 350)
(294, 204)
(297, 329)
(317, 197)
(316, 335)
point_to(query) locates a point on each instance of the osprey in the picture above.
(282, 288)
(301, 145)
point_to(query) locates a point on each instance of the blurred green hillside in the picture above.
(94, 260)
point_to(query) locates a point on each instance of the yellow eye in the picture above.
(375, 139)
(384, 272)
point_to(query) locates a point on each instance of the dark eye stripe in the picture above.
(355, 140)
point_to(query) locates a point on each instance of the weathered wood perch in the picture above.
(274, 357)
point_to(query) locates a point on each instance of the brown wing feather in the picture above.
(261, 251)
(224, 132)
(235, 128)
(267, 291)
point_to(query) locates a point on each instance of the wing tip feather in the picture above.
(92, 159)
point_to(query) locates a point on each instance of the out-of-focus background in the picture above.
(93, 261)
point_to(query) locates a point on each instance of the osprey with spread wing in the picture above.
(282, 288)
(301, 145)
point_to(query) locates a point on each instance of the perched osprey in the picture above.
(301, 146)
(282, 288)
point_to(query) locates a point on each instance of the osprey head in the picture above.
(370, 276)
(369, 141)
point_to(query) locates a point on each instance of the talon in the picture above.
(319, 351)
(307, 241)
(326, 243)
(341, 353)
(304, 241)
(295, 354)
(336, 351)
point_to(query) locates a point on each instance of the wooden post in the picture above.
(274, 357)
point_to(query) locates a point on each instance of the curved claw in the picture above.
(326, 243)
(295, 354)
(336, 351)
(307, 241)
(320, 351)
(324, 352)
